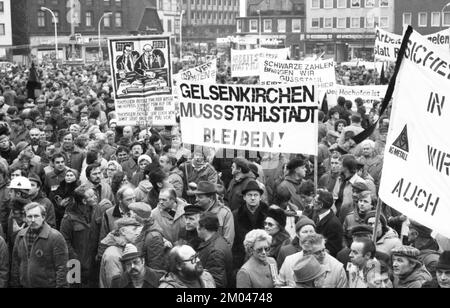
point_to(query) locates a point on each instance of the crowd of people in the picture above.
(87, 203)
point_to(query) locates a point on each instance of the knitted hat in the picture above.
(277, 214)
(308, 269)
(144, 157)
(304, 221)
(130, 252)
(444, 261)
(143, 210)
(407, 252)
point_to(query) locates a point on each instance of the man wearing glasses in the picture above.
(314, 245)
(186, 270)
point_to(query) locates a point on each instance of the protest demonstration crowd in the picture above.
(88, 203)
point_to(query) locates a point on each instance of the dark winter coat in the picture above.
(331, 229)
(234, 198)
(151, 243)
(47, 265)
(243, 225)
(151, 280)
(215, 255)
(287, 250)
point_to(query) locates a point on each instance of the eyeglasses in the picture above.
(262, 249)
(192, 259)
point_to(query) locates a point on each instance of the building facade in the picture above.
(206, 20)
(79, 41)
(273, 24)
(5, 28)
(345, 29)
(426, 16)
(169, 12)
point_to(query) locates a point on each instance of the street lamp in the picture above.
(181, 35)
(99, 36)
(43, 8)
(260, 26)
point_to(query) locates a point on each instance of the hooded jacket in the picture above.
(110, 265)
(415, 280)
(170, 281)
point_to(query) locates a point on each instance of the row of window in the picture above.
(88, 19)
(2, 7)
(213, 2)
(86, 2)
(355, 22)
(422, 19)
(213, 15)
(268, 25)
(355, 4)
(2, 30)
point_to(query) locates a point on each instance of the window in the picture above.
(239, 26)
(282, 25)
(169, 26)
(342, 4)
(315, 23)
(370, 3)
(435, 19)
(356, 3)
(384, 3)
(423, 19)
(253, 25)
(107, 2)
(384, 22)
(446, 19)
(2, 29)
(88, 19)
(296, 25)
(328, 4)
(342, 22)
(118, 2)
(118, 20)
(1, 6)
(315, 4)
(355, 23)
(267, 25)
(41, 19)
(41, 2)
(369, 22)
(407, 18)
(328, 23)
(107, 21)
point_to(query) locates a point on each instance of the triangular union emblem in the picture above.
(402, 141)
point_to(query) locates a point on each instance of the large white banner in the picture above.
(245, 63)
(370, 94)
(387, 45)
(142, 80)
(320, 72)
(250, 117)
(206, 72)
(416, 171)
(441, 38)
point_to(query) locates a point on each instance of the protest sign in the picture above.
(320, 72)
(369, 94)
(257, 118)
(203, 73)
(141, 69)
(441, 38)
(416, 172)
(387, 45)
(245, 63)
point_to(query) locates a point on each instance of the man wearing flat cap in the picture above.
(125, 232)
(188, 235)
(242, 174)
(409, 272)
(206, 198)
(135, 274)
(247, 218)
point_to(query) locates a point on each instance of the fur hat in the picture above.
(277, 214)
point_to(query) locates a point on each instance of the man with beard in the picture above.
(135, 274)
(36, 147)
(186, 270)
(189, 235)
(131, 165)
(74, 156)
(103, 190)
(40, 254)
(247, 218)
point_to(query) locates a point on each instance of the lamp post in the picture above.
(100, 53)
(43, 8)
(260, 26)
(181, 35)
